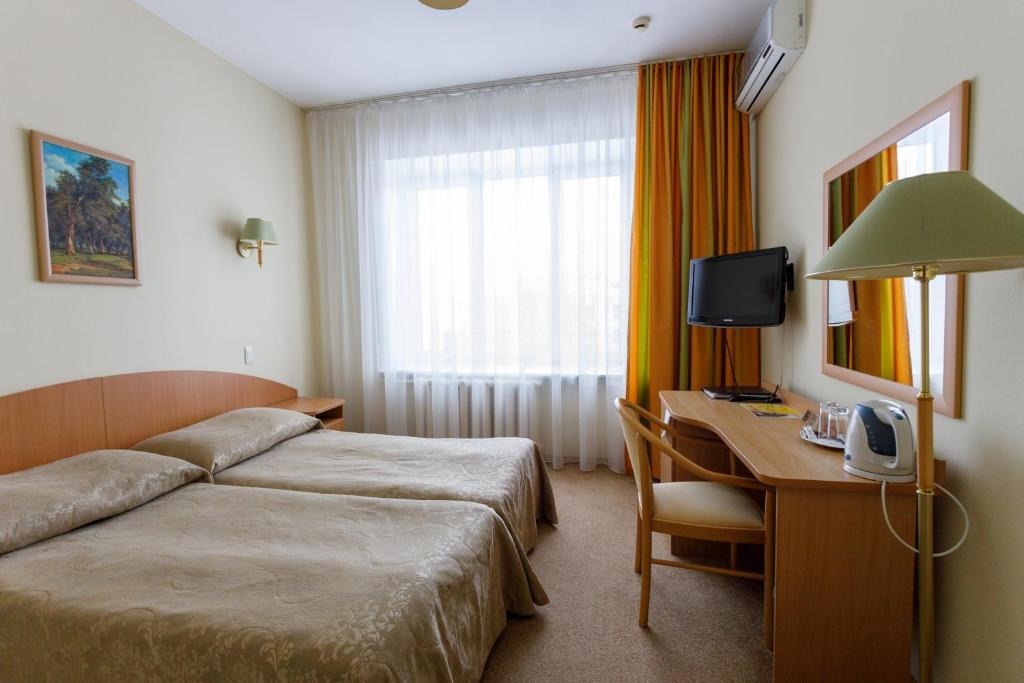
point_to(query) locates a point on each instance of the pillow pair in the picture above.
(52, 499)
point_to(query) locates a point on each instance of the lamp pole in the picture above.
(925, 493)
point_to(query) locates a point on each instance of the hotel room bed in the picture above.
(270, 448)
(190, 581)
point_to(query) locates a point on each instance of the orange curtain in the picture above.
(878, 343)
(692, 199)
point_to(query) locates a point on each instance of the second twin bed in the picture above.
(271, 448)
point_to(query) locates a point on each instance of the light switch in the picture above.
(250, 355)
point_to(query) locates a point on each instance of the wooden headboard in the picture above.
(42, 425)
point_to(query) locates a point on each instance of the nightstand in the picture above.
(330, 411)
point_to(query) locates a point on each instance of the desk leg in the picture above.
(843, 587)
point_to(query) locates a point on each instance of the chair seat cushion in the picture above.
(706, 503)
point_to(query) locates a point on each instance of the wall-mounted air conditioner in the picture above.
(777, 44)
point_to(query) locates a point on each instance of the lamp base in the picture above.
(245, 249)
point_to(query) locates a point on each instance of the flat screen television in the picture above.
(747, 289)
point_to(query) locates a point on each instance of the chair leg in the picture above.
(645, 573)
(636, 554)
(769, 570)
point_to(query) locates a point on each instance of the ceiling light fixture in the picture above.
(444, 4)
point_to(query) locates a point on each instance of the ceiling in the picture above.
(317, 52)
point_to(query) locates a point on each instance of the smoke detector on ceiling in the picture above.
(641, 24)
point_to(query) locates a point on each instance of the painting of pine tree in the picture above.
(84, 205)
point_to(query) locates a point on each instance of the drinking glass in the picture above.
(824, 408)
(839, 420)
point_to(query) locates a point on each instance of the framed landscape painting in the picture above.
(85, 213)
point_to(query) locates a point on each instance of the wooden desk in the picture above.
(843, 585)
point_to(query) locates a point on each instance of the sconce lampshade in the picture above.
(256, 233)
(259, 230)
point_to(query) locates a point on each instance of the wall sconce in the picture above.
(257, 232)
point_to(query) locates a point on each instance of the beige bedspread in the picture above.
(506, 474)
(218, 583)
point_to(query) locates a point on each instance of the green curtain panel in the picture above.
(692, 199)
(878, 342)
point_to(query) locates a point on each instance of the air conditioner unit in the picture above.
(777, 44)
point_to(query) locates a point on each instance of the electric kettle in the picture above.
(880, 442)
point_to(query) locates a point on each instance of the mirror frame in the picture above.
(957, 103)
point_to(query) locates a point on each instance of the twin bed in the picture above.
(270, 448)
(256, 546)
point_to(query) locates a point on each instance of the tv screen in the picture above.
(739, 290)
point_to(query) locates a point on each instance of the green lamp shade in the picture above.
(950, 221)
(259, 230)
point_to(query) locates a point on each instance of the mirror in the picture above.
(872, 331)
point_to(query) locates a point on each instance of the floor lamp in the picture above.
(921, 227)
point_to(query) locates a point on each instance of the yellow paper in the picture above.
(771, 410)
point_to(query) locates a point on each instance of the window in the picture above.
(507, 263)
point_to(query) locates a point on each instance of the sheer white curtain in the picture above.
(926, 150)
(474, 260)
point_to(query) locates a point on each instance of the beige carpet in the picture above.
(702, 627)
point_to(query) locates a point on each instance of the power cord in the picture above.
(782, 354)
(732, 368)
(728, 353)
(956, 546)
(782, 365)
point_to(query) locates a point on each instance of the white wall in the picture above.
(212, 146)
(868, 65)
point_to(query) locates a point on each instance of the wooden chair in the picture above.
(714, 509)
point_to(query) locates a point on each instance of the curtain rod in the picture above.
(523, 80)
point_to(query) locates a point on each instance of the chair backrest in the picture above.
(638, 427)
(639, 454)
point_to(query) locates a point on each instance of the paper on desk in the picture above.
(770, 410)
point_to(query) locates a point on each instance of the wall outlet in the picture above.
(250, 355)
